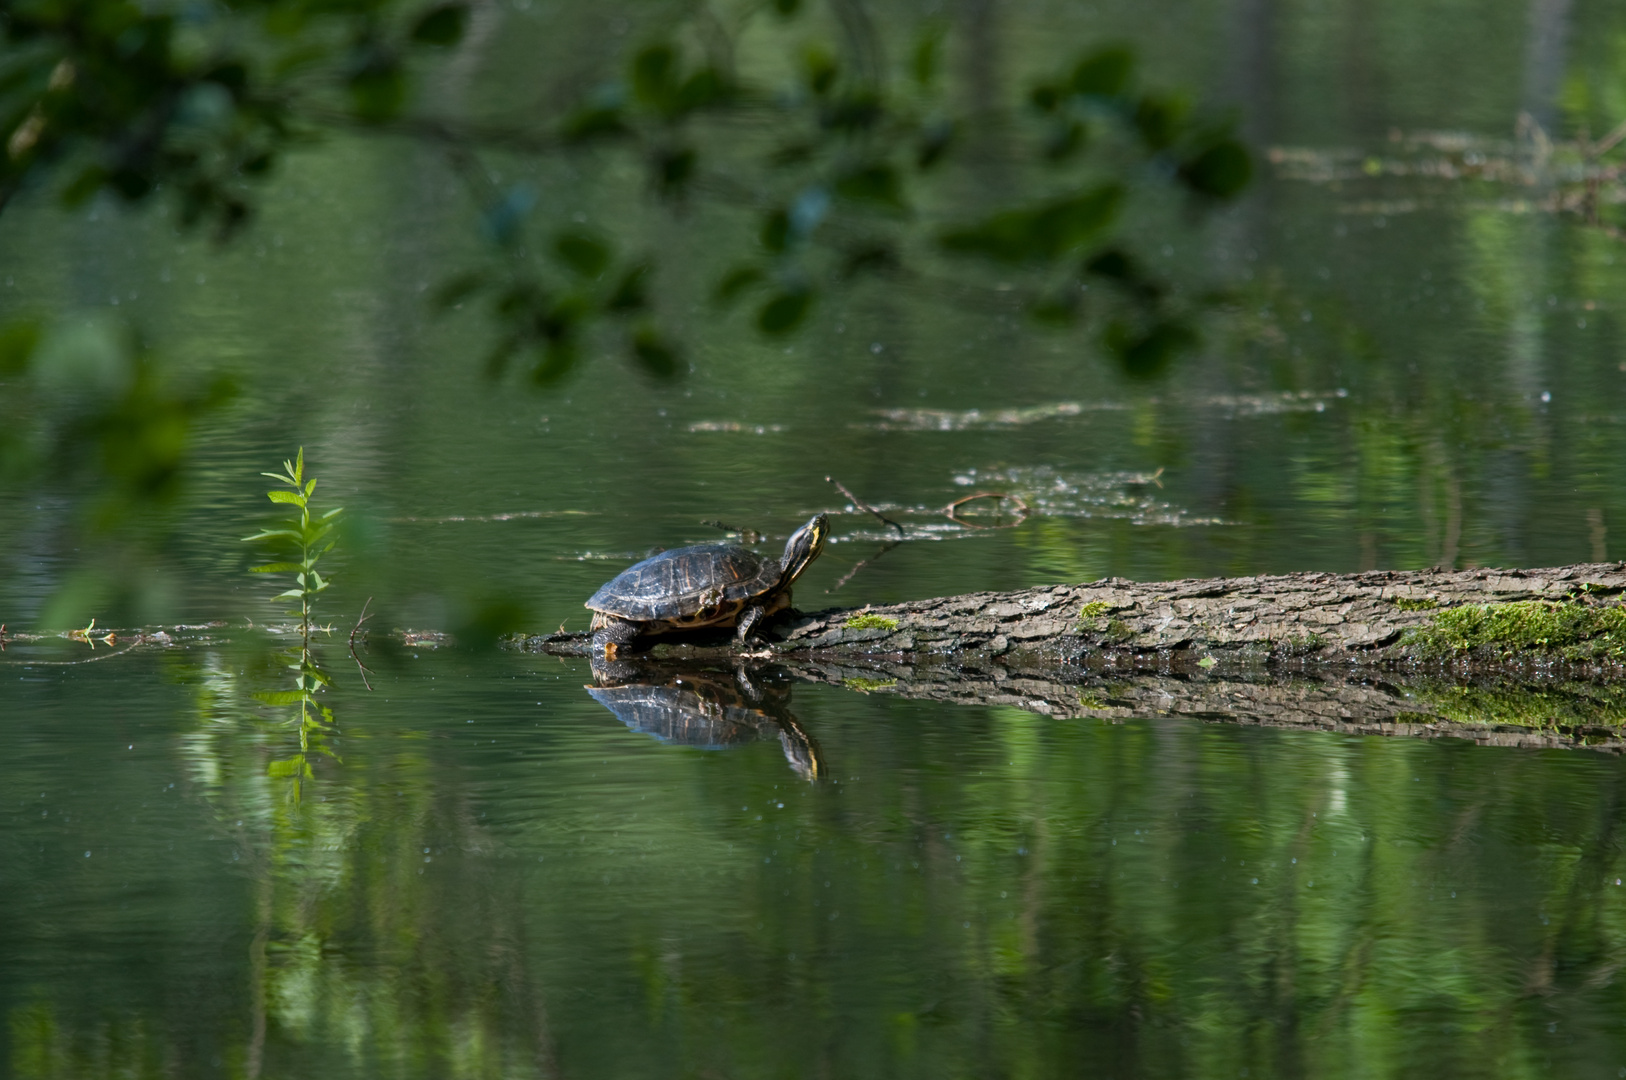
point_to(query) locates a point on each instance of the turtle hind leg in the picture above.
(614, 633)
(750, 618)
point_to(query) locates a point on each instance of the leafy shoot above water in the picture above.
(303, 535)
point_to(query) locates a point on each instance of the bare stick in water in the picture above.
(353, 631)
(860, 564)
(862, 505)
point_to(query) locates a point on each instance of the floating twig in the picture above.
(848, 576)
(951, 511)
(862, 505)
(365, 670)
(750, 536)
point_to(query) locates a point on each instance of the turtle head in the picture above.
(804, 546)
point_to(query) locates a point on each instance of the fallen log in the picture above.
(1562, 620)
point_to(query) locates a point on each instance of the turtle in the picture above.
(717, 585)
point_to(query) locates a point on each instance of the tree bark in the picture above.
(1304, 621)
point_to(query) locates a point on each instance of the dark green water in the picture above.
(495, 876)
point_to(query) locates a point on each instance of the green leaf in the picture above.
(935, 140)
(775, 233)
(294, 766)
(594, 121)
(735, 282)
(784, 312)
(333, 513)
(290, 594)
(673, 169)
(455, 290)
(276, 568)
(279, 697)
(654, 75)
(705, 87)
(18, 340)
(653, 354)
(787, 8)
(1159, 118)
(292, 498)
(558, 360)
(872, 258)
(1221, 170)
(1040, 234)
(630, 293)
(582, 252)
(378, 90)
(441, 25)
(1104, 73)
(923, 64)
(874, 183)
(1147, 354)
(274, 534)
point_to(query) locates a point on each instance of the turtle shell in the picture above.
(687, 582)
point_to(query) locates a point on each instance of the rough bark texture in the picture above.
(1306, 651)
(1301, 620)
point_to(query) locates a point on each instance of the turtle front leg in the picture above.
(749, 618)
(613, 634)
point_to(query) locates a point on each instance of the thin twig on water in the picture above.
(888, 546)
(862, 505)
(951, 510)
(365, 670)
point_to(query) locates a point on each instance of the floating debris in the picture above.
(515, 515)
(736, 426)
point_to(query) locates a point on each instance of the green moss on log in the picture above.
(871, 622)
(1569, 631)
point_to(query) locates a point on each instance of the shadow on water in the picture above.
(704, 708)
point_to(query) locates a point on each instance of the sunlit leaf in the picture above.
(280, 697)
(289, 497)
(276, 568)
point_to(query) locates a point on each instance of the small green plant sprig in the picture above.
(304, 534)
(307, 535)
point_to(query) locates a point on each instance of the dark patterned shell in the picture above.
(678, 583)
(680, 716)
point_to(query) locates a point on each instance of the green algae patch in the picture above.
(871, 622)
(1421, 603)
(1566, 630)
(1539, 707)
(865, 686)
(1093, 610)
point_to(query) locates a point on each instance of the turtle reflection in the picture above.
(703, 708)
